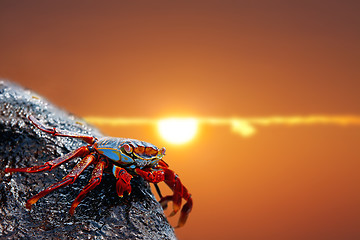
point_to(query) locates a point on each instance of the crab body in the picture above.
(131, 153)
(124, 157)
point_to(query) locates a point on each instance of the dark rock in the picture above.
(101, 215)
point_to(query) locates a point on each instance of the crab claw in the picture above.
(122, 186)
(123, 182)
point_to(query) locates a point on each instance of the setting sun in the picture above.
(178, 130)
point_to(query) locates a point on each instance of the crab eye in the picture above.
(127, 148)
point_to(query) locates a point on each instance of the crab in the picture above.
(124, 157)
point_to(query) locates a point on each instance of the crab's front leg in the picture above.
(174, 182)
(123, 180)
(180, 191)
(153, 176)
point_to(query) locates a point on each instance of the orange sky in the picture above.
(213, 59)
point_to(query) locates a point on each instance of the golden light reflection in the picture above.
(181, 130)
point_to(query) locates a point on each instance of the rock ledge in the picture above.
(101, 215)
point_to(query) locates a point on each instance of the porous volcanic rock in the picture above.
(101, 215)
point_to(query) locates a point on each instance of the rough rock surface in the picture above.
(101, 215)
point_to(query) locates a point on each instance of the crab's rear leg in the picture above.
(95, 180)
(50, 165)
(61, 133)
(68, 179)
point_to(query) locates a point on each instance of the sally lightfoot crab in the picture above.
(124, 157)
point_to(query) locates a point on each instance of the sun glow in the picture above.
(178, 130)
(182, 130)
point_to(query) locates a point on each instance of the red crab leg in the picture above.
(180, 191)
(50, 165)
(61, 133)
(151, 176)
(94, 181)
(123, 182)
(68, 179)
